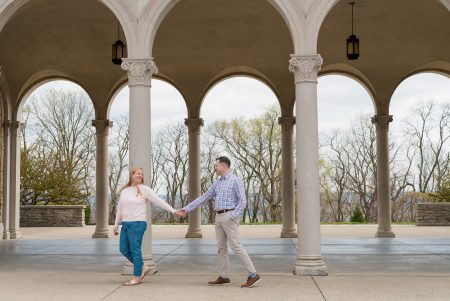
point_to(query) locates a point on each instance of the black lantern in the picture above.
(352, 43)
(119, 49)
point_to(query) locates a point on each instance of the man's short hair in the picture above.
(225, 160)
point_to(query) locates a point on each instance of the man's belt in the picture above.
(223, 211)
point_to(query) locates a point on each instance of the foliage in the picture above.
(56, 164)
(357, 216)
(87, 214)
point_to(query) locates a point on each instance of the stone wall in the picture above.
(52, 216)
(433, 214)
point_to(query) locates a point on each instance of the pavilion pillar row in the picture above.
(383, 189)
(140, 73)
(195, 217)
(101, 178)
(309, 259)
(14, 204)
(288, 229)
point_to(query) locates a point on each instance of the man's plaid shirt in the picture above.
(228, 192)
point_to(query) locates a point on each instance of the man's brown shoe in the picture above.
(220, 281)
(251, 281)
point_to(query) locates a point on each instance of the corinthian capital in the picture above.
(140, 71)
(305, 67)
(286, 122)
(102, 126)
(193, 124)
(382, 121)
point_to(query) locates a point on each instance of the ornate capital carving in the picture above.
(140, 71)
(287, 123)
(382, 121)
(15, 127)
(102, 126)
(305, 67)
(194, 124)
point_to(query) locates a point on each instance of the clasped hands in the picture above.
(180, 213)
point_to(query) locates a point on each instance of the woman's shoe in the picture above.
(133, 281)
(145, 271)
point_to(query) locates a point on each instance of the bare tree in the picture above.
(118, 162)
(171, 148)
(430, 133)
(62, 130)
(255, 145)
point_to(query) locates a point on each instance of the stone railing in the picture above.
(433, 214)
(52, 216)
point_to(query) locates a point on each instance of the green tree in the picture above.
(58, 148)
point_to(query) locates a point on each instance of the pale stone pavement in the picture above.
(66, 264)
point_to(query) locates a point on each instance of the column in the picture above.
(195, 217)
(14, 204)
(287, 178)
(140, 73)
(6, 178)
(101, 178)
(309, 259)
(383, 186)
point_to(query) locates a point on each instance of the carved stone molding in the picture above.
(305, 67)
(288, 121)
(194, 124)
(382, 121)
(140, 71)
(102, 126)
(15, 127)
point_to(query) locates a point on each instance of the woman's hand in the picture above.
(116, 230)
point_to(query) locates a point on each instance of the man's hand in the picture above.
(180, 213)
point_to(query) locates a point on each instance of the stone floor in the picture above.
(65, 264)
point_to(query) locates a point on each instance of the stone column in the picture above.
(14, 204)
(383, 189)
(309, 259)
(287, 178)
(195, 217)
(140, 73)
(101, 178)
(6, 178)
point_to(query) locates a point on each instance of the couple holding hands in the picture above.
(230, 202)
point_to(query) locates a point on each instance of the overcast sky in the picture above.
(340, 99)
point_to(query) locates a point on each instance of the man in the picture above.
(230, 202)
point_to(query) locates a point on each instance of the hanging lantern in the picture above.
(119, 49)
(352, 43)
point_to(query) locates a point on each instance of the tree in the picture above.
(171, 150)
(57, 163)
(255, 146)
(118, 162)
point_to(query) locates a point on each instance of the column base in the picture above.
(289, 233)
(6, 235)
(310, 266)
(100, 234)
(385, 234)
(15, 234)
(194, 234)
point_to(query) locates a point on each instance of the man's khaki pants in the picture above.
(227, 230)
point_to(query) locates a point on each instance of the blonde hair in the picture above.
(130, 180)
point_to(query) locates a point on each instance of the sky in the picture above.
(340, 99)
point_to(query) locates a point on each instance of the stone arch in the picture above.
(438, 67)
(38, 79)
(155, 14)
(122, 12)
(124, 82)
(240, 71)
(355, 74)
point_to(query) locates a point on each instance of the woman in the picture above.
(131, 212)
